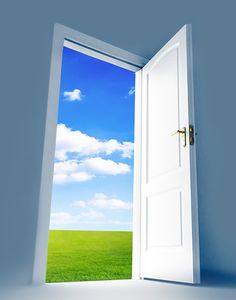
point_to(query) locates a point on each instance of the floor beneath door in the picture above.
(122, 289)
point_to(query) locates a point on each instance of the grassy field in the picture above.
(89, 255)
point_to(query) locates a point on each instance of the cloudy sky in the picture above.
(93, 170)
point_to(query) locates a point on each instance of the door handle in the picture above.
(183, 133)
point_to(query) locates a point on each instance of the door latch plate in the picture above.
(191, 135)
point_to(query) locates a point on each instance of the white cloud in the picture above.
(80, 203)
(127, 149)
(63, 218)
(111, 204)
(68, 167)
(81, 176)
(98, 165)
(74, 141)
(68, 171)
(73, 177)
(92, 214)
(102, 201)
(131, 91)
(121, 223)
(74, 171)
(93, 222)
(74, 95)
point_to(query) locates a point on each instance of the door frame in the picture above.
(104, 51)
(107, 52)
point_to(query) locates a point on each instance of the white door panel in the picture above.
(164, 73)
(169, 227)
(164, 211)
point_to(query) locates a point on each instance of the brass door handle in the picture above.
(180, 131)
(183, 133)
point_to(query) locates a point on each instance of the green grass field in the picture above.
(89, 255)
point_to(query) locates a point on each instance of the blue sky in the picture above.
(93, 171)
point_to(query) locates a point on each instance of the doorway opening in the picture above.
(90, 236)
(165, 217)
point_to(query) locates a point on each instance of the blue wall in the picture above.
(141, 27)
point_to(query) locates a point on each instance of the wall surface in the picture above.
(141, 27)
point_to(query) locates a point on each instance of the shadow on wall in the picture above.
(210, 279)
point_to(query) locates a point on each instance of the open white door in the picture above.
(169, 223)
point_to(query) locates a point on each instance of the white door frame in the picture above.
(106, 52)
(119, 57)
